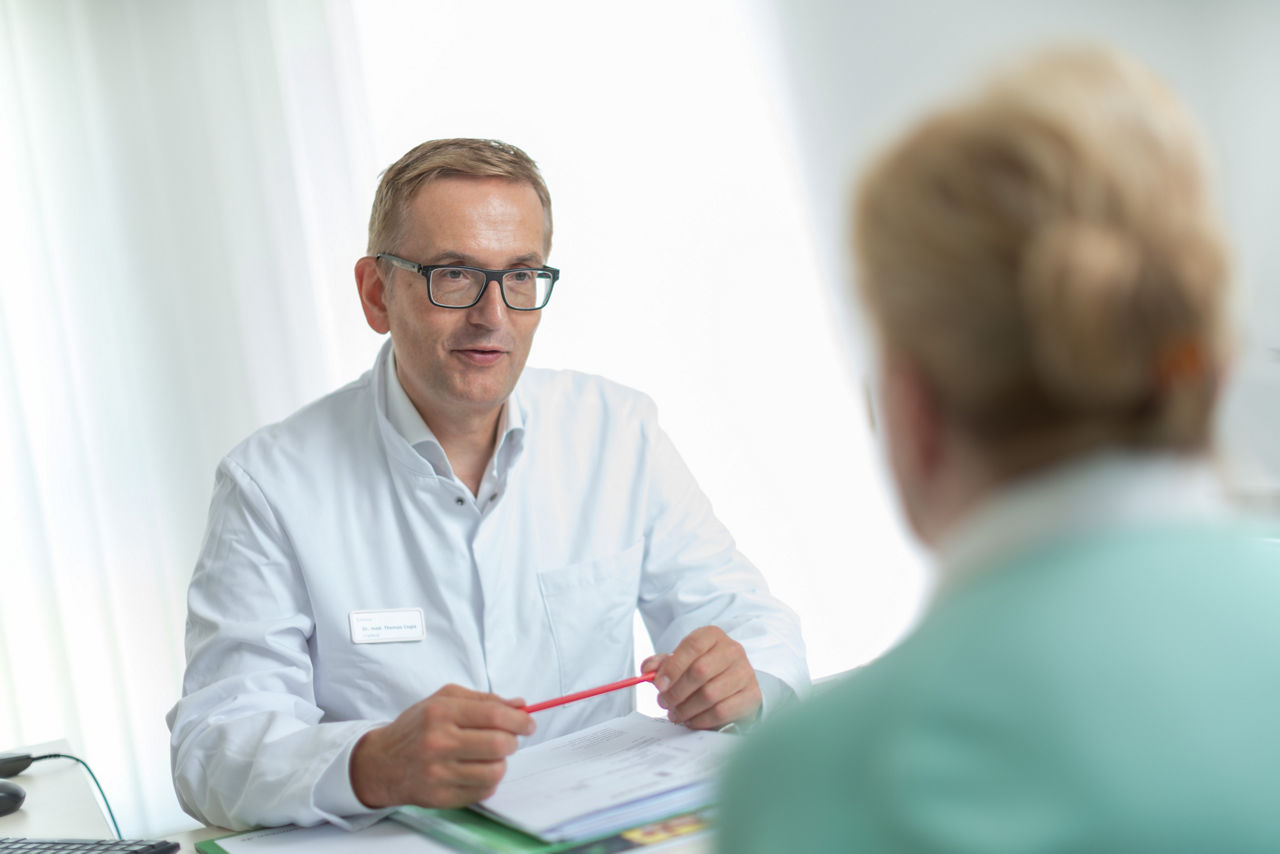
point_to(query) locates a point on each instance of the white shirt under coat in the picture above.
(1095, 492)
(529, 588)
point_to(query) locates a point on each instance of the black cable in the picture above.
(92, 776)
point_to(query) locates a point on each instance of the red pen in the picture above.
(591, 692)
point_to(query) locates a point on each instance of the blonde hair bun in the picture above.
(1081, 289)
(1047, 253)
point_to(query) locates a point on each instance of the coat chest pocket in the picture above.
(590, 607)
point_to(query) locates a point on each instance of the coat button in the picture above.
(459, 501)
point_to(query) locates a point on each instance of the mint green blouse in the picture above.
(1107, 687)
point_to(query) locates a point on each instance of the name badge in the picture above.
(393, 626)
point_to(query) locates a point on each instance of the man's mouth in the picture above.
(480, 355)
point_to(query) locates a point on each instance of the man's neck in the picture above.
(468, 443)
(468, 436)
(958, 483)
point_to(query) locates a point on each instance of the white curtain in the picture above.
(179, 217)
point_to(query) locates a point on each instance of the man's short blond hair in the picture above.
(1046, 252)
(443, 158)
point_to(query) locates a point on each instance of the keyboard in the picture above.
(86, 846)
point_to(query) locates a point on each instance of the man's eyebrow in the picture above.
(532, 259)
(450, 257)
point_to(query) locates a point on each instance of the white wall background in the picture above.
(184, 188)
(857, 71)
(678, 204)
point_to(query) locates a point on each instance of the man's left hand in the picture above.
(707, 681)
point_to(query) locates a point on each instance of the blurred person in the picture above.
(1048, 279)
(387, 569)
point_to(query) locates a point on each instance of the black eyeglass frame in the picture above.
(425, 270)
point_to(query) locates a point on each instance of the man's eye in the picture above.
(520, 276)
(453, 274)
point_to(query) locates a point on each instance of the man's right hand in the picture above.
(448, 750)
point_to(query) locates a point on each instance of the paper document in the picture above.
(382, 838)
(611, 776)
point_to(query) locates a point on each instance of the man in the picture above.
(391, 571)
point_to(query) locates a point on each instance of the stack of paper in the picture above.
(608, 777)
(616, 775)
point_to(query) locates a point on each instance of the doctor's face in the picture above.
(461, 363)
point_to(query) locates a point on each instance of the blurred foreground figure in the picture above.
(1098, 670)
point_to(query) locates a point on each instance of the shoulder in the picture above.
(1138, 572)
(1074, 682)
(316, 431)
(1144, 623)
(543, 391)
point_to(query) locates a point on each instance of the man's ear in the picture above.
(373, 294)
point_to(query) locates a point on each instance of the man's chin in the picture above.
(481, 396)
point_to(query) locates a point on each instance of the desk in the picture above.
(62, 803)
(188, 840)
(61, 799)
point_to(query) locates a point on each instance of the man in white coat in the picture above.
(391, 571)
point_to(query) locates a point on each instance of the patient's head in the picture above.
(1046, 270)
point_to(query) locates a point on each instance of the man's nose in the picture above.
(490, 310)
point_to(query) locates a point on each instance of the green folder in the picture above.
(468, 831)
(471, 832)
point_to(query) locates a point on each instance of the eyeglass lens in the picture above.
(457, 286)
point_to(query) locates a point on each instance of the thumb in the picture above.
(653, 662)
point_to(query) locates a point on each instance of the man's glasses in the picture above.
(454, 286)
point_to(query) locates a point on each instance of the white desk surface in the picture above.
(188, 840)
(61, 803)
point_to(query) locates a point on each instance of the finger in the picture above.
(721, 686)
(653, 662)
(739, 707)
(461, 693)
(455, 797)
(694, 645)
(483, 745)
(703, 669)
(492, 713)
(461, 783)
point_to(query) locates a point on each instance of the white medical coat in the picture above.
(528, 590)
